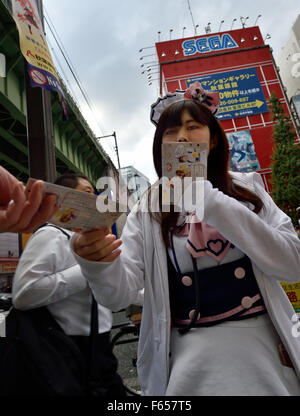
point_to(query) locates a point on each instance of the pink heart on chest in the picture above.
(216, 246)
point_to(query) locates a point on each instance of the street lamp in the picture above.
(146, 70)
(183, 29)
(116, 145)
(196, 29)
(257, 19)
(243, 20)
(146, 47)
(234, 20)
(152, 62)
(268, 36)
(208, 28)
(145, 56)
(222, 21)
(152, 73)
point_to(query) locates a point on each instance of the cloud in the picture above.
(103, 38)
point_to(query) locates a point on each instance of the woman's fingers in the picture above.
(7, 185)
(103, 253)
(86, 239)
(32, 205)
(97, 245)
(111, 257)
(44, 213)
(24, 216)
(10, 215)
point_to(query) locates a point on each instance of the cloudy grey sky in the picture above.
(102, 38)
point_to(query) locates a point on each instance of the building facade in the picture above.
(240, 66)
(288, 61)
(137, 183)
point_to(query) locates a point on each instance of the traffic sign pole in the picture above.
(41, 150)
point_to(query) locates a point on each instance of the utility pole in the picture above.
(116, 146)
(41, 150)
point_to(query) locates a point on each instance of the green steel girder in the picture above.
(4, 35)
(15, 164)
(12, 140)
(75, 145)
(12, 62)
(11, 108)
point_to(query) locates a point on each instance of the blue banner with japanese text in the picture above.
(240, 92)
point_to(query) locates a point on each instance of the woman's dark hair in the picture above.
(217, 163)
(70, 180)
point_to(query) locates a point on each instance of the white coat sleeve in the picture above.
(42, 276)
(268, 239)
(120, 283)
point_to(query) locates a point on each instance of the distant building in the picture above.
(137, 182)
(288, 61)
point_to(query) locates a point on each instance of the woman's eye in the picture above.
(168, 132)
(193, 127)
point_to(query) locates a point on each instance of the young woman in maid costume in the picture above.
(216, 320)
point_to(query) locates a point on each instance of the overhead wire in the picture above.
(190, 10)
(73, 72)
(62, 71)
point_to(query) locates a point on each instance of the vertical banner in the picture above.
(242, 152)
(35, 50)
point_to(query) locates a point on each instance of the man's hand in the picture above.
(97, 245)
(19, 214)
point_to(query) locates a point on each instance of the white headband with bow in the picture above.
(195, 92)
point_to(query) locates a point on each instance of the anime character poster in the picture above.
(33, 44)
(242, 152)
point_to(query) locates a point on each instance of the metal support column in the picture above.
(40, 137)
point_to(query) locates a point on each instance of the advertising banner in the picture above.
(240, 92)
(242, 152)
(34, 48)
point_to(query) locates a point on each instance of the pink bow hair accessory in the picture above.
(195, 92)
(208, 98)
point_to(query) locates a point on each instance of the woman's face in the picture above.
(190, 130)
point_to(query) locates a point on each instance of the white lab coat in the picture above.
(268, 239)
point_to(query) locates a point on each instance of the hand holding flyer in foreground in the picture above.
(77, 210)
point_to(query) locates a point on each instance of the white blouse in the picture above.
(48, 275)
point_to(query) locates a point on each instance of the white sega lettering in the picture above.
(208, 44)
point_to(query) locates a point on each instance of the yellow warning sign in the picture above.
(293, 293)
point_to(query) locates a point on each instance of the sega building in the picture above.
(239, 66)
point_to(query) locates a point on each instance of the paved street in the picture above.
(126, 354)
